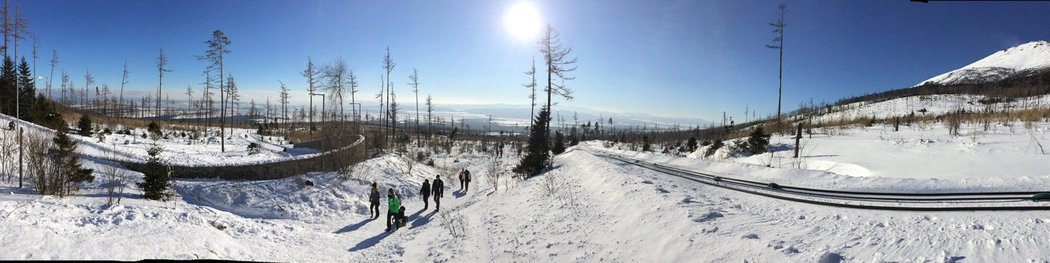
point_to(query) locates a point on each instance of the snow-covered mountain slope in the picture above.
(1033, 55)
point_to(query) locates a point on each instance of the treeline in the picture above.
(19, 98)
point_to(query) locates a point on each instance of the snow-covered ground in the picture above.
(926, 151)
(588, 208)
(933, 105)
(203, 151)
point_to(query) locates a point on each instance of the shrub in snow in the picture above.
(717, 144)
(153, 128)
(59, 175)
(253, 148)
(645, 143)
(453, 222)
(559, 143)
(758, 141)
(155, 180)
(84, 125)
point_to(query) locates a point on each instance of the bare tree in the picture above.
(218, 47)
(233, 98)
(162, 66)
(414, 78)
(778, 44)
(388, 66)
(189, 99)
(208, 97)
(123, 82)
(14, 28)
(51, 76)
(285, 95)
(532, 86)
(558, 64)
(353, 91)
(335, 76)
(309, 73)
(430, 111)
(105, 100)
(65, 86)
(88, 81)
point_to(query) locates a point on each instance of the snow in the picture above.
(599, 210)
(999, 65)
(933, 105)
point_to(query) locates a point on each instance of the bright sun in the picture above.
(522, 21)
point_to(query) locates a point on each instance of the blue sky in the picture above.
(670, 58)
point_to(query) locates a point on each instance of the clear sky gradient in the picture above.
(672, 58)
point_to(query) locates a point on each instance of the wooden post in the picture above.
(20, 156)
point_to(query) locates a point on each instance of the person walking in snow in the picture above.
(373, 201)
(425, 192)
(438, 189)
(393, 207)
(466, 180)
(460, 180)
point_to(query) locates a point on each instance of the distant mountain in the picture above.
(1028, 57)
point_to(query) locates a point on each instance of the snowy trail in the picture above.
(600, 210)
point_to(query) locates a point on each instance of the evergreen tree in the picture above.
(575, 139)
(155, 181)
(690, 146)
(46, 115)
(559, 143)
(26, 92)
(537, 154)
(68, 162)
(645, 144)
(84, 125)
(7, 87)
(758, 141)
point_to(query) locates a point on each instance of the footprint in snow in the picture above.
(710, 215)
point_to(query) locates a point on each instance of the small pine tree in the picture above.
(84, 125)
(645, 144)
(717, 144)
(68, 162)
(153, 128)
(690, 146)
(155, 181)
(536, 158)
(559, 143)
(758, 141)
(575, 139)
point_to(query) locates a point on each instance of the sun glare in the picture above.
(522, 21)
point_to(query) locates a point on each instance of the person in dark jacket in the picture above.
(373, 201)
(466, 180)
(425, 192)
(393, 207)
(438, 189)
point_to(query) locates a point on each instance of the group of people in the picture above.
(395, 216)
(464, 180)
